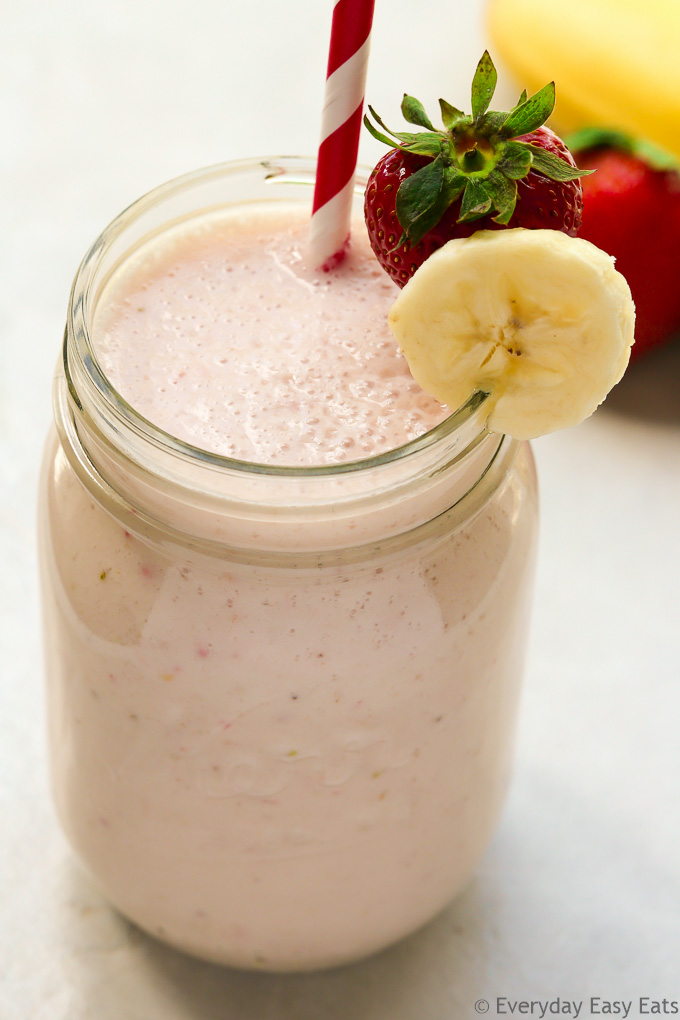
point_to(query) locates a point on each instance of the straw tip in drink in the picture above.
(336, 258)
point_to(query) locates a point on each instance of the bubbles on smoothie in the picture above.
(300, 371)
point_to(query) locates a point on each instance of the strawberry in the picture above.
(631, 209)
(486, 171)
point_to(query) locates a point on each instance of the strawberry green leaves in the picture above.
(550, 165)
(479, 157)
(516, 161)
(424, 197)
(476, 202)
(483, 86)
(451, 117)
(414, 112)
(531, 113)
(503, 196)
(423, 144)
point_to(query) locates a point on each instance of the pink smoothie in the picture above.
(256, 356)
(280, 737)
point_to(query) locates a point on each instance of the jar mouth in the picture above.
(93, 393)
(146, 476)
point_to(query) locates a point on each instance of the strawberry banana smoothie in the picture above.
(285, 596)
(222, 335)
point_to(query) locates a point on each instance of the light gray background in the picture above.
(579, 894)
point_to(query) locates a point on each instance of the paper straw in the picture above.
(340, 130)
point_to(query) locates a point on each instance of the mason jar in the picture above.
(281, 700)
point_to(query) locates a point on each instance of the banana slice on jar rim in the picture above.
(540, 321)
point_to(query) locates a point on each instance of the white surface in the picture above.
(580, 892)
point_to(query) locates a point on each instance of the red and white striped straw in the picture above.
(340, 130)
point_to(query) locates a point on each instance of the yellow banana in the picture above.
(614, 62)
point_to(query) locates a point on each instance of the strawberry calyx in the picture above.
(480, 156)
(611, 138)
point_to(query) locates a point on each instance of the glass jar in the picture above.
(281, 700)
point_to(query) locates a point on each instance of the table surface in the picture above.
(579, 894)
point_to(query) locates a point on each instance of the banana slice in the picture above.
(541, 321)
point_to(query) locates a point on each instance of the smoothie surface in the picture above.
(221, 335)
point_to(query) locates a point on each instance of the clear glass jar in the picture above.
(282, 700)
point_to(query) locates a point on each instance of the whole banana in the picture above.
(614, 62)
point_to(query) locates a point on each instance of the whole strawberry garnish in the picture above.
(631, 209)
(482, 172)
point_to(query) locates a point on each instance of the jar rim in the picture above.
(86, 378)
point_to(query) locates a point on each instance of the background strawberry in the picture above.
(632, 211)
(486, 171)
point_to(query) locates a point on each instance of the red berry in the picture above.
(541, 203)
(486, 170)
(632, 211)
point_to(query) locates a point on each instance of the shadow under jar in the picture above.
(282, 700)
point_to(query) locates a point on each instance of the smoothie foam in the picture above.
(255, 356)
